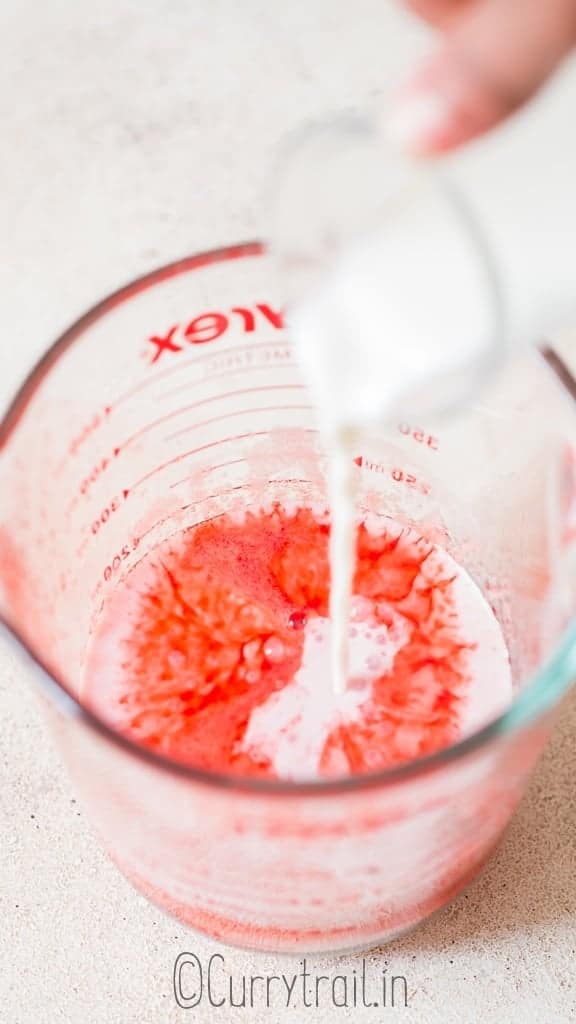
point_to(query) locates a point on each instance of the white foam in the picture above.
(291, 728)
(490, 691)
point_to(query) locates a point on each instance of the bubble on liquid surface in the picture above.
(251, 650)
(274, 650)
(360, 608)
(298, 619)
(373, 663)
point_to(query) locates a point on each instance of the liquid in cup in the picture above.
(217, 649)
(195, 414)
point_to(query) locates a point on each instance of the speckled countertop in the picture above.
(133, 133)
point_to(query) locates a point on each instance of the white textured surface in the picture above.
(132, 134)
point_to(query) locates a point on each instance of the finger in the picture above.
(492, 60)
(439, 13)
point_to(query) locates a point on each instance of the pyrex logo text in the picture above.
(210, 326)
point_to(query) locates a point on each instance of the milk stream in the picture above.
(342, 550)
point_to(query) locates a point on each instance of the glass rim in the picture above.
(538, 696)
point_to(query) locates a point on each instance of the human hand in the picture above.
(493, 56)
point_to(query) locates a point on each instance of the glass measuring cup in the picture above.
(176, 399)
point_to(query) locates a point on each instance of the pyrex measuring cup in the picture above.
(177, 399)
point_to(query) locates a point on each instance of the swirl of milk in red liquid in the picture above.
(215, 651)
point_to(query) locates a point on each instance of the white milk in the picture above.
(292, 726)
(342, 499)
(383, 327)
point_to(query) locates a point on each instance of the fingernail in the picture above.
(417, 122)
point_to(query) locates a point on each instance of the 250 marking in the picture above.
(116, 562)
(401, 477)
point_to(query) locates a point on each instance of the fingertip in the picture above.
(419, 124)
(444, 107)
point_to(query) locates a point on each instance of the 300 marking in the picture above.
(105, 514)
(420, 436)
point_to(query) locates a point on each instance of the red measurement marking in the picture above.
(225, 465)
(87, 430)
(401, 476)
(192, 451)
(373, 467)
(155, 526)
(94, 475)
(202, 448)
(231, 490)
(160, 522)
(80, 550)
(212, 497)
(107, 512)
(98, 587)
(398, 475)
(225, 372)
(420, 436)
(197, 405)
(186, 365)
(238, 412)
(122, 556)
(100, 583)
(112, 568)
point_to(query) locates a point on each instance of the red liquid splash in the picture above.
(221, 623)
